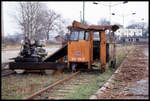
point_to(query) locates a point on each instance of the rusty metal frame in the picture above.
(103, 50)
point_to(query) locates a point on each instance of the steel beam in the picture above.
(36, 66)
(103, 51)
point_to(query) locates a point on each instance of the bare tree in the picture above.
(50, 21)
(61, 26)
(29, 18)
(36, 21)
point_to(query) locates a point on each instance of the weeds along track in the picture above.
(51, 86)
(59, 92)
(69, 87)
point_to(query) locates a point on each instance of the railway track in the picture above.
(59, 92)
(63, 91)
(51, 86)
(4, 66)
(5, 70)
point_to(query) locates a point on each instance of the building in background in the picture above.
(128, 32)
(130, 35)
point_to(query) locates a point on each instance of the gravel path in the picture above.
(138, 89)
(131, 82)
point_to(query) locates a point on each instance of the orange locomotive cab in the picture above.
(80, 45)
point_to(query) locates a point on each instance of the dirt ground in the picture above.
(131, 82)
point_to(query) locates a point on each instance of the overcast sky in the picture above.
(93, 13)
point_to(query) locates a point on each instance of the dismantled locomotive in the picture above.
(81, 48)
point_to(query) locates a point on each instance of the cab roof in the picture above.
(79, 26)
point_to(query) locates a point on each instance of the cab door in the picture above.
(79, 47)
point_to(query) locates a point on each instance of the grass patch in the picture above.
(86, 90)
(20, 86)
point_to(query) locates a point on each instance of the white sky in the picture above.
(93, 13)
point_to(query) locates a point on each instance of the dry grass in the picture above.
(20, 86)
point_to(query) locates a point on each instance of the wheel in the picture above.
(19, 71)
(73, 66)
(49, 72)
(113, 64)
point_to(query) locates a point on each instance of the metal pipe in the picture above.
(81, 16)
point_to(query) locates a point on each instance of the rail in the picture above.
(52, 85)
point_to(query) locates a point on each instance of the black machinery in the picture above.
(33, 57)
(31, 52)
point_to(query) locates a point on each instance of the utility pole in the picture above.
(83, 11)
(110, 12)
(110, 6)
(81, 16)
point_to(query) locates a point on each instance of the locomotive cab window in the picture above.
(79, 35)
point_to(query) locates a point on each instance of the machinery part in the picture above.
(27, 59)
(73, 66)
(103, 51)
(58, 54)
(107, 52)
(96, 46)
(19, 71)
(113, 64)
(57, 72)
(49, 71)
